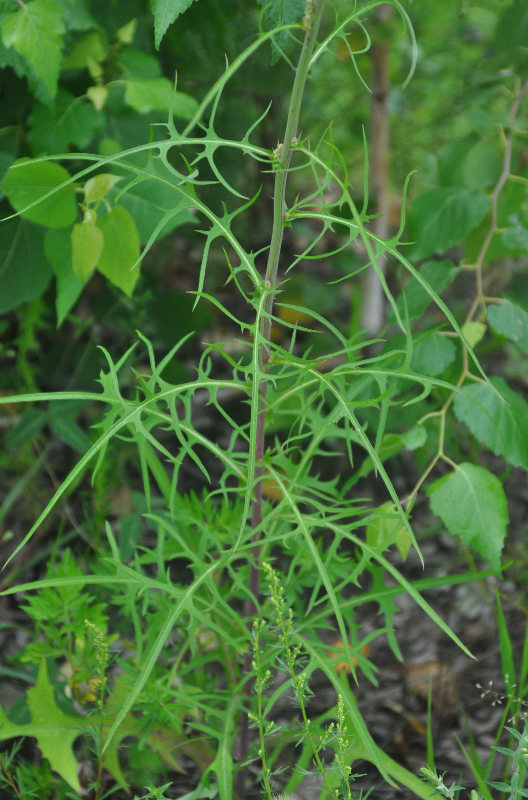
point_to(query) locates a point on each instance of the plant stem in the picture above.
(10, 779)
(283, 152)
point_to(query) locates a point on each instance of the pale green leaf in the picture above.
(98, 187)
(24, 271)
(472, 504)
(510, 320)
(432, 354)
(98, 96)
(496, 416)
(91, 48)
(156, 94)
(35, 32)
(126, 33)
(441, 218)
(54, 730)
(26, 182)
(58, 248)
(87, 245)
(120, 249)
(165, 12)
(473, 332)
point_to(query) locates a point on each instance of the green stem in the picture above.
(284, 152)
(312, 19)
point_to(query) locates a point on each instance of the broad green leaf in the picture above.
(54, 730)
(98, 187)
(58, 248)
(92, 48)
(496, 416)
(165, 12)
(156, 94)
(24, 271)
(148, 202)
(137, 64)
(277, 13)
(510, 320)
(68, 122)
(414, 299)
(67, 430)
(432, 354)
(515, 237)
(87, 245)
(473, 332)
(6, 159)
(415, 437)
(77, 14)
(35, 32)
(441, 218)
(472, 504)
(120, 249)
(482, 166)
(27, 181)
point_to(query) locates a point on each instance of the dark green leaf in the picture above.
(24, 271)
(58, 248)
(277, 13)
(77, 14)
(432, 354)
(510, 320)
(30, 423)
(496, 416)
(443, 217)
(68, 122)
(414, 298)
(165, 12)
(472, 504)
(67, 430)
(148, 202)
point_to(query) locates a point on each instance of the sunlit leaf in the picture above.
(120, 249)
(157, 94)
(54, 730)
(496, 416)
(87, 244)
(472, 504)
(26, 182)
(35, 32)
